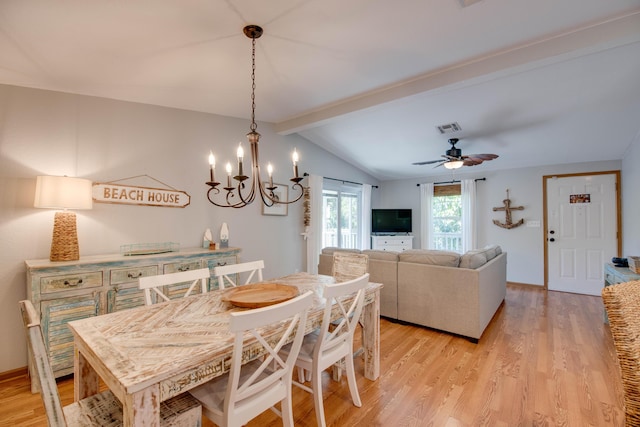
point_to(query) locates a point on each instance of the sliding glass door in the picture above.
(342, 213)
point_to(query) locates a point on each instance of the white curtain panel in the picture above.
(365, 242)
(426, 198)
(314, 231)
(469, 229)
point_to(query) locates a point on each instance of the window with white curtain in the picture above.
(446, 212)
(341, 214)
(449, 222)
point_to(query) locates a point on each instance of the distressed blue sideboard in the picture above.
(100, 284)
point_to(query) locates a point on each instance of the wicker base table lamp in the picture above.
(63, 192)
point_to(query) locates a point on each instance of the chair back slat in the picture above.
(226, 274)
(40, 362)
(155, 283)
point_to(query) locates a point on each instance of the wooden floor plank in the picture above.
(546, 359)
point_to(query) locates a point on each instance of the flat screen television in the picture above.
(390, 221)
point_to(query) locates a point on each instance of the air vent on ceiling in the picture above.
(449, 128)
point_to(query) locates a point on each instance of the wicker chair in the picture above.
(348, 266)
(622, 302)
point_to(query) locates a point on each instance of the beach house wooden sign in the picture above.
(113, 192)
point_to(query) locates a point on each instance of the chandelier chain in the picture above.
(253, 126)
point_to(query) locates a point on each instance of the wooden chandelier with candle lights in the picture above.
(237, 196)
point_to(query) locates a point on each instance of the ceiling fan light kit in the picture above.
(453, 164)
(453, 158)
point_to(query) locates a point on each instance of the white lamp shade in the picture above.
(454, 164)
(63, 192)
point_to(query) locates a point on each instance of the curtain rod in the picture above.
(341, 180)
(453, 181)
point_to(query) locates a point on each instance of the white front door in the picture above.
(581, 231)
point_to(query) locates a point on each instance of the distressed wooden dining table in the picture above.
(149, 354)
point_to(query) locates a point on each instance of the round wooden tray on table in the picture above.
(258, 295)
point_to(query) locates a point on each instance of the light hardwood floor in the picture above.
(546, 359)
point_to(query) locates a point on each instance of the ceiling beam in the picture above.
(596, 37)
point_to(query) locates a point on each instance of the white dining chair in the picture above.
(226, 274)
(324, 347)
(102, 409)
(348, 266)
(155, 283)
(249, 389)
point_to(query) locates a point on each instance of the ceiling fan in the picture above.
(453, 158)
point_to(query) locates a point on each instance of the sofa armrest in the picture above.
(457, 300)
(492, 286)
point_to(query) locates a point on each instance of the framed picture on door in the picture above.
(281, 192)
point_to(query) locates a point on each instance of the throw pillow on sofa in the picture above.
(432, 257)
(329, 250)
(492, 251)
(381, 255)
(473, 259)
(478, 257)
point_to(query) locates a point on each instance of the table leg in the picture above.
(371, 338)
(142, 408)
(86, 381)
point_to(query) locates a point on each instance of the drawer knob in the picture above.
(134, 276)
(68, 283)
(184, 268)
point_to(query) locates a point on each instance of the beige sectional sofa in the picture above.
(438, 289)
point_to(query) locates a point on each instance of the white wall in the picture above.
(525, 245)
(631, 200)
(51, 133)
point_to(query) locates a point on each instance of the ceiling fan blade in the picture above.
(455, 155)
(483, 156)
(472, 161)
(429, 162)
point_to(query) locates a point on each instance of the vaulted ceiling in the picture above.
(536, 82)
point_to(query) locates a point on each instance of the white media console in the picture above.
(395, 243)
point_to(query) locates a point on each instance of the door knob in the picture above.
(552, 239)
(552, 232)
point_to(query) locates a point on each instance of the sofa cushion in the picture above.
(492, 251)
(474, 259)
(329, 250)
(381, 255)
(432, 257)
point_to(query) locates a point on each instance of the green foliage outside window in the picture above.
(447, 213)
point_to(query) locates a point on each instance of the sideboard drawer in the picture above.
(70, 281)
(127, 275)
(176, 267)
(609, 277)
(216, 262)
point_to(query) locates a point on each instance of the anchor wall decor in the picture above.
(508, 224)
